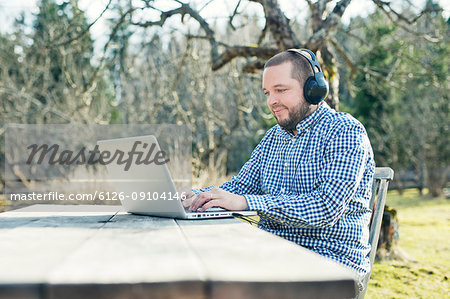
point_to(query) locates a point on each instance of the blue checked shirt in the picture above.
(313, 188)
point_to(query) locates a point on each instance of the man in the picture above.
(310, 177)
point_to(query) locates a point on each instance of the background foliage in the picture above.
(391, 71)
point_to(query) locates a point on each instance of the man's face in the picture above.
(284, 96)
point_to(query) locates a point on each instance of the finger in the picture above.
(210, 204)
(187, 202)
(205, 197)
(187, 199)
(200, 200)
(190, 194)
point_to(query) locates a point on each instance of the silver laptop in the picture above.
(146, 187)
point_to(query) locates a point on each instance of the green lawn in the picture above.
(425, 236)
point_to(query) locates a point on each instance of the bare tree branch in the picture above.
(230, 52)
(79, 35)
(163, 17)
(233, 15)
(328, 26)
(393, 68)
(263, 35)
(278, 25)
(34, 101)
(350, 34)
(185, 9)
(205, 5)
(344, 55)
(254, 66)
(242, 51)
(389, 11)
(107, 45)
(193, 36)
(382, 4)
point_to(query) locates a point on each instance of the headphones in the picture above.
(316, 87)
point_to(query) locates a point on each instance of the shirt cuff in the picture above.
(259, 202)
(197, 191)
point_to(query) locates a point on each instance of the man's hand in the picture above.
(216, 197)
(189, 198)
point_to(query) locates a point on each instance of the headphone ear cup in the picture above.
(315, 90)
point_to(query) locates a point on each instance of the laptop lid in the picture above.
(143, 184)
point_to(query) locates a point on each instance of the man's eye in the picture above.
(281, 90)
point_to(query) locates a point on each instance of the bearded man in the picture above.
(310, 177)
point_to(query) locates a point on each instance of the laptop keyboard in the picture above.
(213, 209)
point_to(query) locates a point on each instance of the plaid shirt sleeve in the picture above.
(248, 180)
(344, 164)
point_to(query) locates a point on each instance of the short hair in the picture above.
(301, 68)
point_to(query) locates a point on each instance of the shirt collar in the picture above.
(306, 123)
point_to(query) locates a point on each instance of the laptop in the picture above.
(145, 186)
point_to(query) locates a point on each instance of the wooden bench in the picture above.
(381, 179)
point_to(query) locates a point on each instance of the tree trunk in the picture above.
(388, 248)
(331, 73)
(389, 235)
(437, 177)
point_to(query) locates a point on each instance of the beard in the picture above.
(296, 115)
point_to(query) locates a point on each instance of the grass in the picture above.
(425, 236)
(3, 202)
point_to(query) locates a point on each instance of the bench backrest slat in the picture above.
(381, 179)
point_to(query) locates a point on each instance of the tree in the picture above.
(183, 83)
(401, 96)
(44, 80)
(224, 109)
(278, 34)
(427, 105)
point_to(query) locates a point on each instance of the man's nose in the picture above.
(271, 100)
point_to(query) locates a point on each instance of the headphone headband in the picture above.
(312, 61)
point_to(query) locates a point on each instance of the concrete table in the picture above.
(88, 251)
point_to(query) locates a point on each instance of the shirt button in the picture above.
(293, 139)
(286, 164)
